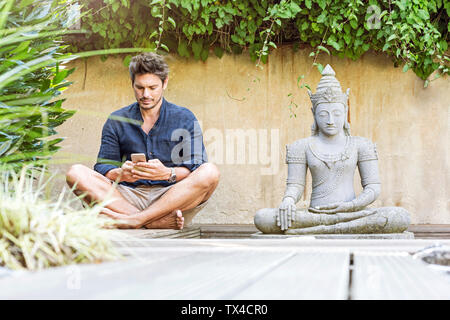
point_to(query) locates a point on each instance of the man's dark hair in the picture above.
(149, 62)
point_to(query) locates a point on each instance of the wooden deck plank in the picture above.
(307, 275)
(284, 244)
(241, 269)
(188, 232)
(396, 276)
(181, 275)
(201, 276)
(63, 282)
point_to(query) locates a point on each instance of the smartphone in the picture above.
(138, 157)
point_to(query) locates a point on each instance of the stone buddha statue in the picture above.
(332, 155)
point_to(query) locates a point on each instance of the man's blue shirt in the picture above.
(175, 139)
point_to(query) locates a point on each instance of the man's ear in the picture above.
(165, 83)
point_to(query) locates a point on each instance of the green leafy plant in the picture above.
(37, 232)
(29, 110)
(413, 33)
(33, 74)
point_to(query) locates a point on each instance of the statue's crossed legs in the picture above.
(379, 220)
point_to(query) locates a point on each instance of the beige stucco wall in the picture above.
(410, 125)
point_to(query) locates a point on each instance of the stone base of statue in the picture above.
(393, 236)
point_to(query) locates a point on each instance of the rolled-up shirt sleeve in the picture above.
(187, 148)
(109, 155)
(198, 152)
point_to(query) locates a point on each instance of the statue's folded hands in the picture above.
(334, 208)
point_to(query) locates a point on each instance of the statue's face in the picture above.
(330, 118)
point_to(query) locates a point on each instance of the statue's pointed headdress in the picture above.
(328, 89)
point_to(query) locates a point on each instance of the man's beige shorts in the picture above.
(143, 197)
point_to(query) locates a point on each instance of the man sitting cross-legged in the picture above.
(174, 183)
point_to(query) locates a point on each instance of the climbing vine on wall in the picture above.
(414, 33)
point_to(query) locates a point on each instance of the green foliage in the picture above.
(37, 233)
(29, 108)
(33, 75)
(412, 33)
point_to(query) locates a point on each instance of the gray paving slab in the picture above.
(221, 276)
(239, 269)
(77, 281)
(188, 232)
(193, 275)
(182, 276)
(396, 276)
(307, 275)
(403, 235)
(285, 244)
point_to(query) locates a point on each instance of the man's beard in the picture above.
(151, 106)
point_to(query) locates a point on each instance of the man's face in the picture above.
(148, 90)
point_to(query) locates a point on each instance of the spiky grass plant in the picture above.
(37, 232)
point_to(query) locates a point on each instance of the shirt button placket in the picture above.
(149, 153)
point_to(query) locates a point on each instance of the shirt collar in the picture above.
(136, 114)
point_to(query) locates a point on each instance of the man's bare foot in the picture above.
(173, 220)
(123, 221)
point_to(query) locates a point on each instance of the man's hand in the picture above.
(334, 208)
(151, 170)
(286, 213)
(127, 172)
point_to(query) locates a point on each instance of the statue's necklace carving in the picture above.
(330, 159)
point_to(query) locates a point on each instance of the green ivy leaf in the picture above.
(197, 46)
(305, 25)
(204, 55)
(308, 4)
(322, 4)
(236, 49)
(127, 60)
(162, 45)
(218, 51)
(115, 6)
(183, 49)
(294, 8)
(423, 14)
(360, 32)
(347, 38)
(324, 49)
(391, 37)
(319, 67)
(170, 19)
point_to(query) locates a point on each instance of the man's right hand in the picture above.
(286, 213)
(122, 174)
(126, 174)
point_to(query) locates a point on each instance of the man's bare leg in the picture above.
(161, 222)
(173, 220)
(185, 194)
(97, 188)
